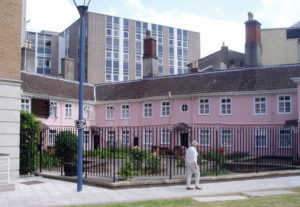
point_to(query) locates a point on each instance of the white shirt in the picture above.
(191, 155)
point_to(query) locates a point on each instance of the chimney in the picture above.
(67, 68)
(253, 50)
(193, 67)
(224, 57)
(28, 58)
(150, 61)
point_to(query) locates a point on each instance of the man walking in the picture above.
(192, 167)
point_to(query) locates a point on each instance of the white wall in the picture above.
(10, 93)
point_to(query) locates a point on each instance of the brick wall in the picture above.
(10, 37)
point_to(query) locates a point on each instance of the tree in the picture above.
(30, 129)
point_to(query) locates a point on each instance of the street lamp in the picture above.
(82, 7)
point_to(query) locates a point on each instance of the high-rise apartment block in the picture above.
(114, 48)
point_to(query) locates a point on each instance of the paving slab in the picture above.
(220, 198)
(49, 192)
(270, 192)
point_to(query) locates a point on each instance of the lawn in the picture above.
(292, 200)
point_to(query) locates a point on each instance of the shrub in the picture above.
(100, 153)
(66, 146)
(29, 135)
(153, 163)
(48, 160)
(137, 156)
(127, 170)
(181, 161)
(214, 154)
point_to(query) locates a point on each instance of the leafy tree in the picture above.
(30, 129)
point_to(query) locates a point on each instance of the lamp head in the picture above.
(82, 6)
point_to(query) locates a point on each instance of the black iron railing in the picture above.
(117, 153)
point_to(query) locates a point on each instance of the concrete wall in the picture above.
(96, 48)
(10, 65)
(277, 49)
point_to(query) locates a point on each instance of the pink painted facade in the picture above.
(242, 112)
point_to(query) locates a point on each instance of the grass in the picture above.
(292, 200)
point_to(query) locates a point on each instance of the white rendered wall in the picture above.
(10, 93)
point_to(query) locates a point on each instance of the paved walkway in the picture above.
(47, 192)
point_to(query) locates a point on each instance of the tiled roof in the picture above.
(42, 85)
(236, 80)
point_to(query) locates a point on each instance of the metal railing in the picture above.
(117, 153)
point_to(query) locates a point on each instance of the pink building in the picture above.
(216, 106)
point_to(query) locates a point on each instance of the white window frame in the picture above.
(259, 134)
(148, 136)
(53, 109)
(165, 136)
(125, 135)
(110, 112)
(205, 105)
(165, 109)
(224, 138)
(290, 136)
(87, 112)
(110, 137)
(68, 110)
(204, 137)
(260, 104)
(226, 106)
(52, 137)
(26, 104)
(183, 106)
(125, 112)
(284, 102)
(147, 111)
(86, 138)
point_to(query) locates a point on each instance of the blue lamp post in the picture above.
(82, 7)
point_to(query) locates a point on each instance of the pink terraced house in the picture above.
(251, 96)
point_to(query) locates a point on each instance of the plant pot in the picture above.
(70, 169)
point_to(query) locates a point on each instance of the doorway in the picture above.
(96, 141)
(184, 139)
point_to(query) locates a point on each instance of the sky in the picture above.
(217, 21)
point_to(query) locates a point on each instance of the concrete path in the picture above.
(38, 191)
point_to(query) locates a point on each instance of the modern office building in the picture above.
(281, 45)
(114, 48)
(37, 52)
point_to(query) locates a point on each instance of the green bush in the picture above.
(48, 160)
(29, 135)
(137, 156)
(66, 146)
(215, 155)
(100, 153)
(181, 161)
(153, 164)
(127, 170)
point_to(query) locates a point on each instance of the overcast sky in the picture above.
(217, 20)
